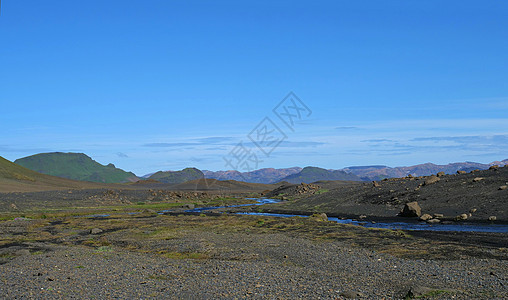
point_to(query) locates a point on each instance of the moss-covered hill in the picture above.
(77, 166)
(15, 178)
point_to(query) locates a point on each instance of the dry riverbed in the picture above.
(147, 255)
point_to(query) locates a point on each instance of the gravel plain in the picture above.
(232, 257)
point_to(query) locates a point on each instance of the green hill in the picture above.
(182, 176)
(15, 178)
(77, 166)
(313, 174)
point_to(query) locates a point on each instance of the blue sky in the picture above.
(160, 85)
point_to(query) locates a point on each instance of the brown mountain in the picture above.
(381, 172)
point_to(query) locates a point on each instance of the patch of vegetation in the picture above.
(322, 191)
(105, 249)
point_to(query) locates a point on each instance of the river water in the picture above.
(459, 227)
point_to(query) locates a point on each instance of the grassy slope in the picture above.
(184, 175)
(75, 166)
(15, 178)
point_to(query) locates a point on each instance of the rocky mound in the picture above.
(479, 195)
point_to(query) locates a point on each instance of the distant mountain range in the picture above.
(368, 173)
(381, 172)
(268, 175)
(182, 176)
(77, 166)
(313, 174)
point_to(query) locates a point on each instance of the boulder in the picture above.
(375, 184)
(411, 209)
(23, 252)
(461, 172)
(441, 174)
(418, 291)
(472, 210)
(431, 180)
(352, 295)
(189, 206)
(492, 218)
(478, 179)
(96, 231)
(319, 217)
(433, 221)
(494, 167)
(503, 187)
(438, 215)
(425, 217)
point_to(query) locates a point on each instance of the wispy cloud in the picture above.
(377, 141)
(207, 141)
(346, 127)
(122, 155)
(168, 145)
(477, 139)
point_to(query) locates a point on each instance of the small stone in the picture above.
(433, 221)
(461, 217)
(478, 179)
(425, 217)
(440, 174)
(503, 187)
(438, 215)
(472, 210)
(492, 218)
(461, 172)
(363, 217)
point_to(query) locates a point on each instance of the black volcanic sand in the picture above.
(452, 195)
(148, 255)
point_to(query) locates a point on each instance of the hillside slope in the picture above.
(77, 166)
(15, 178)
(313, 174)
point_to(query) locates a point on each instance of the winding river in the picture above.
(459, 227)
